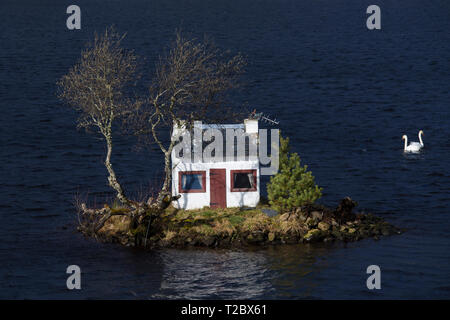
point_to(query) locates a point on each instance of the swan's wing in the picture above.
(414, 147)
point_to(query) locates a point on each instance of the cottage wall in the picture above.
(199, 200)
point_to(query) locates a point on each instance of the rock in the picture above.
(291, 240)
(258, 236)
(317, 215)
(334, 223)
(226, 241)
(271, 236)
(208, 241)
(336, 234)
(323, 226)
(313, 235)
(302, 217)
(311, 222)
(343, 228)
(270, 212)
(163, 243)
(364, 234)
(255, 237)
(351, 230)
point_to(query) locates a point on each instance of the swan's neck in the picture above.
(420, 139)
(406, 142)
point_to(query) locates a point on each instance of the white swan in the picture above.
(413, 146)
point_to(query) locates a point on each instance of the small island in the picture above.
(239, 227)
(289, 216)
(207, 198)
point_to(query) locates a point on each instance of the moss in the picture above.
(314, 235)
(235, 220)
(120, 210)
(207, 214)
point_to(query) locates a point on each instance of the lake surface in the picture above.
(344, 94)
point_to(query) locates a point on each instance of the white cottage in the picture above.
(218, 174)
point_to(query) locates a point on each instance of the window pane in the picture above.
(191, 182)
(243, 180)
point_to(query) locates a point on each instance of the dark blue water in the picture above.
(344, 94)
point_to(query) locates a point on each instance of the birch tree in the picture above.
(96, 86)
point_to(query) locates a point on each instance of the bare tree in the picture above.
(95, 87)
(193, 81)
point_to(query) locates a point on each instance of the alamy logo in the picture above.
(374, 281)
(74, 280)
(374, 20)
(74, 20)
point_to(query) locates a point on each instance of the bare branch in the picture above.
(193, 81)
(96, 86)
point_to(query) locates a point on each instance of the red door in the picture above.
(218, 188)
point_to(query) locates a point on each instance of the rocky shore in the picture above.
(237, 227)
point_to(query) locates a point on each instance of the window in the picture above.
(243, 180)
(192, 181)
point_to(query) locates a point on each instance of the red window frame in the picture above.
(252, 171)
(180, 176)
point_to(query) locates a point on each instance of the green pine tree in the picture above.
(293, 186)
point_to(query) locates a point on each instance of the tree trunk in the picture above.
(167, 172)
(112, 175)
(165, 194)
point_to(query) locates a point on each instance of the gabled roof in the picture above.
(244, 139)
